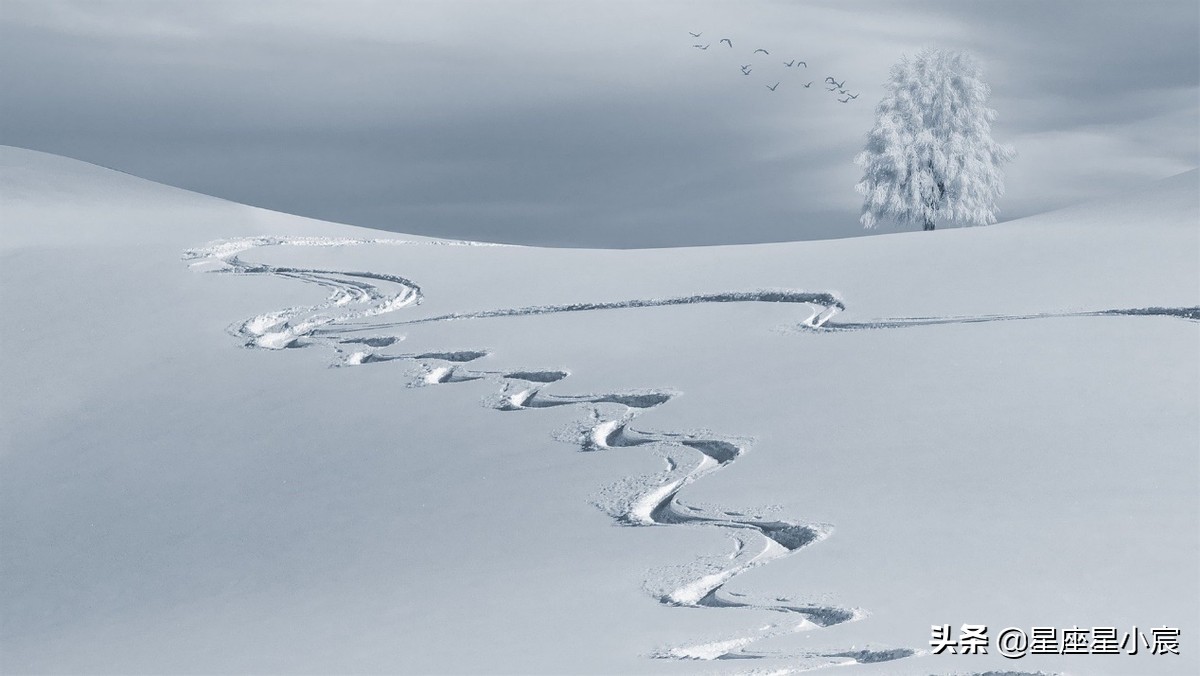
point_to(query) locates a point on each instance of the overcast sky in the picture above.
(584, 123)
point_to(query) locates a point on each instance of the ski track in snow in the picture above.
(1185, 313)
(647, 501)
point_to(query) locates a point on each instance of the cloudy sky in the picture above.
(584, 123)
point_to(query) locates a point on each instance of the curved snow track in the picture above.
(1186, 313)
(648, 501)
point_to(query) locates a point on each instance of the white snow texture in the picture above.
(308, 447)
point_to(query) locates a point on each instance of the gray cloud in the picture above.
(590, 124)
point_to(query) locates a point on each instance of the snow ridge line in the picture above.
(636, 501)
(223, 248)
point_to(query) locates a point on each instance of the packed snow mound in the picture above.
(237, 440)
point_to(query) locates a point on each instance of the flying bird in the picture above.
(852, 96)
(808, 85)
(802, 64)
(727, 40)
(763, 51)
(843, 91)
(789, 64)
(845, 100)
(695, 35)
(835, 82)
(701, 47)
(746, 71)
(746, 66)
(772, 87)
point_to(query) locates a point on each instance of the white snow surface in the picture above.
(235, 440)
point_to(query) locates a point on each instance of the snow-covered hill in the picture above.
(237, 440)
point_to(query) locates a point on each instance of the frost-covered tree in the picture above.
(931, 156)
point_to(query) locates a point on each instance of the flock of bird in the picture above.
(831, 84)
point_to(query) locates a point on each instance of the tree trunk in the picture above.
(932, 202)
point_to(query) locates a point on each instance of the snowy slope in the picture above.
(770, 457)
